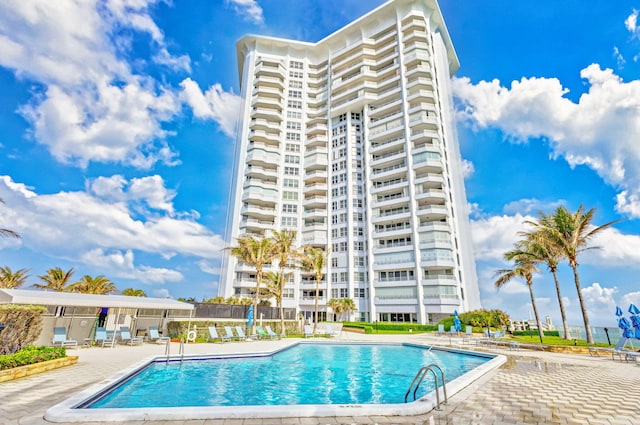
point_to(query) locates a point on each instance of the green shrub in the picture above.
(389, 326)
(23, 326)
(31, 355)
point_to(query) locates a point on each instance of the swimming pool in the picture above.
(305, 379)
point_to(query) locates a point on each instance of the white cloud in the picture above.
(630, 298)
(216, 104)
(467, 168)
(97, 225)
(600, 131)
(92, 106)
(121, 265)
(250, 9)
(631, 23)
(493, 236)
(528, 206)
(207, 267)
(618, 56)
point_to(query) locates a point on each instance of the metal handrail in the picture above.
(417, 380)
(167, 350)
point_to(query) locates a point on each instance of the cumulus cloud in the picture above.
(493, 236)
(250, 9)
(600, 131)
(215, 103)
(467, 168)
(528, 206)
(89, 104)
(104, 226)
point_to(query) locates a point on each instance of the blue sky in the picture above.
(118, 122)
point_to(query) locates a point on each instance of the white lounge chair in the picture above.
(103, 337)
(440, 331)
(271, 333)
(154, 335)
(126, 338)
(60, 337)
(241, 335)
(230, 335)
(620, 351)
(308, 331)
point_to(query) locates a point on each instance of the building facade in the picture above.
(350, 141)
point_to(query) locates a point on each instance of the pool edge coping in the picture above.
(67, 411)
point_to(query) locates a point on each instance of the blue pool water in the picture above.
(302, 374)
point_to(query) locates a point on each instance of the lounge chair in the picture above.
(271, 333)
(103, 337)
(60, 337)
(620, 351)
(453, 331)
(468, 335)
(261, 333)
(126, 338)
(154, 335)
(440, 331)
(229, 333)
(308, 331)
(213, 335)
(241, 335)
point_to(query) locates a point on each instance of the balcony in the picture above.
(267, 113)
(259, 195)
(266, 81)
(432, 212)
(312, 202)
(262, 124)
(253, 224)
(261, 173)
(259, 156)
(255, 211)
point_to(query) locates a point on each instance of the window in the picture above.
(296, 65)
(296, 94)
(287, 293)
(344, 276)
(292, 125)
(293, 136)
(358, 292)
(295, 104)
(290, 196)
(291, 171)
(289, 222)
(358, 261)
(292, 159)
(358, 246)
(290, 183)
(294, 114)
(357, 203)
(342, 247)
(358, 231)
(295, 84)
(292, 147)
(295, 74)
(289, 208)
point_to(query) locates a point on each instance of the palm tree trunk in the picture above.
(585, 316)
(282, 332)
(315, 322)
(256, 298)
(535, 311)
(563, 314)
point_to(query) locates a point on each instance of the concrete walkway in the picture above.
(532, 388)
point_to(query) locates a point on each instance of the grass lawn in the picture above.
(553, 340)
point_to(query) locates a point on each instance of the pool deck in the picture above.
(533, 387)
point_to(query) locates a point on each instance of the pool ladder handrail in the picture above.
(417, 380)
(167, 350)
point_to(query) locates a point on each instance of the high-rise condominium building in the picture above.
(350, 142)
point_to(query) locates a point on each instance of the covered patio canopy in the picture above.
(72, 299)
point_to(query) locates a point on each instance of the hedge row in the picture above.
(31, 355)
(370, 328)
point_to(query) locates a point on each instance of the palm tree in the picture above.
(10, 279)
(524, 267)
(257, 252)
(348, 305)
(315, 260)
(571, 234)
(55, 280)
(546, 252)
(98, 285)
(336, 306)
(5, 233)
(130, 292)
(284, 251)
(275, 289)
(219, 299)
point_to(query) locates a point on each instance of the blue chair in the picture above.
(154, 335)
(104, 337)
(271, 333)
(60, 337)
(126, 338)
